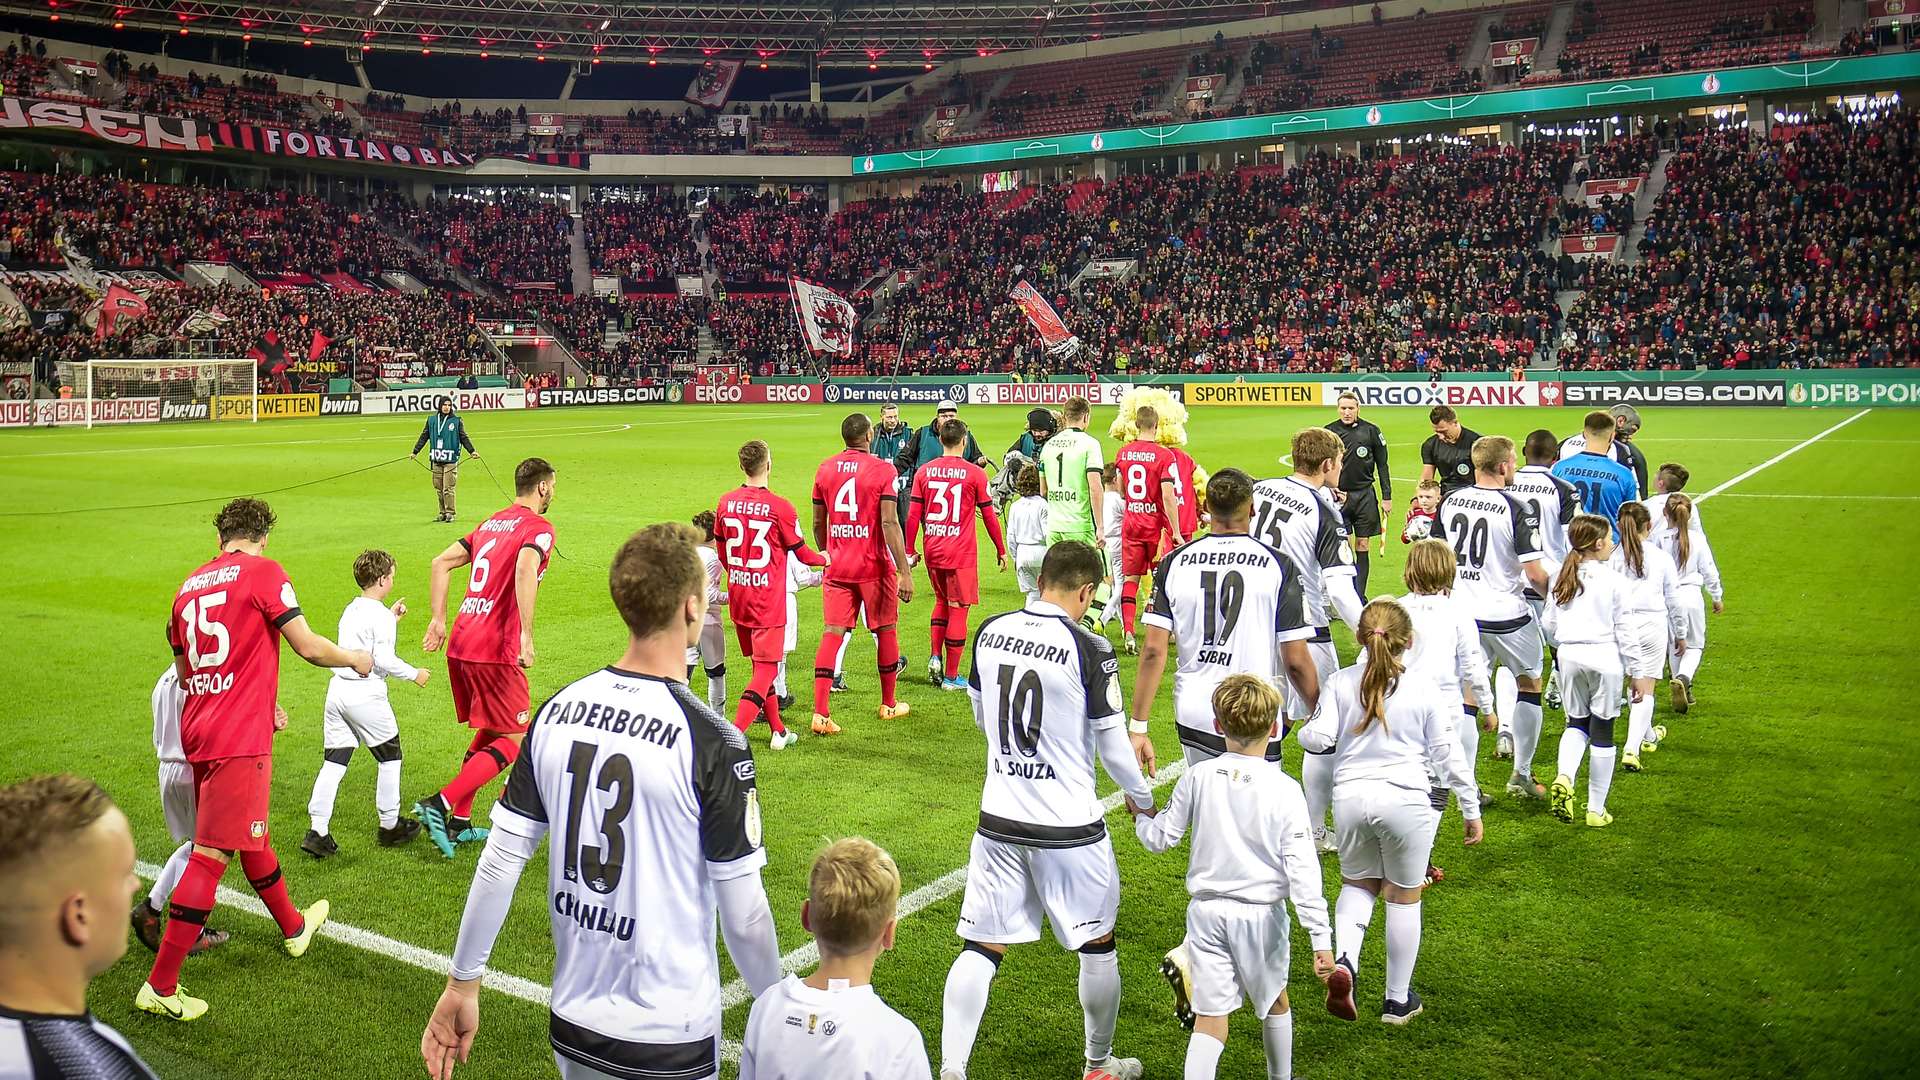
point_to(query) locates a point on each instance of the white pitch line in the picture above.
(1780, 457)
(1836, 496)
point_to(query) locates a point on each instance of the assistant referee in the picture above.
(1366, 457)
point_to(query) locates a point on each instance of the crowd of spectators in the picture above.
(762, 237)
(641, 233)
(510, 237)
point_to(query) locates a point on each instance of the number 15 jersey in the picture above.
(1493, 534)
(1229, 601)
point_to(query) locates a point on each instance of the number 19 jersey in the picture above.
(1493, 534)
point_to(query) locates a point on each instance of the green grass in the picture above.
(1749, 914)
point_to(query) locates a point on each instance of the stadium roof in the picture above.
(841, 33)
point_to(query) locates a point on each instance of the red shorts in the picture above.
(231, 795)
(490, 697)
(762, 644)
(957, 586)
(1137, 555)
(844, 601)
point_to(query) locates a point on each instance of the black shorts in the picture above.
(1361, 511)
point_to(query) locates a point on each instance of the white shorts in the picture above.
(1326, 661)
(1027, 567)
(1113, 554)
(711, 650)
(1644, 651)
(1590, 681)
(1516, 648)
(1539, 608)
(1384, 831)
(177, 801)
(356, 719)
(1011, 886)
(1693, 612)
(1236, 949)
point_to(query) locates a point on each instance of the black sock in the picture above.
(458, 825)
(1362, 562)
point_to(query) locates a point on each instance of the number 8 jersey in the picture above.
(1493, 534)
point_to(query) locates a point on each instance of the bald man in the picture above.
(66, 886)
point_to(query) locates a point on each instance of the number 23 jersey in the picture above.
(1493, 534)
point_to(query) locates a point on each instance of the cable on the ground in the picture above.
(202, 499)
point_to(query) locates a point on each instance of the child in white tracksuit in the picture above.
(711, 651)
(1446, 642)
(1676, 530)
(1586, 613)
(1655, 621)
(1027, 531)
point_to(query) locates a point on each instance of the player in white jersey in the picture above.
(1047, 694)
(177, 806)
(1587, 610)
(1390, 730)
(1228, 603)
(1252, 852)
(359, 714)
(1446, 643)
(1297, 516)
(1113, 512)
(831, 1025)
(1554, 501)
(710, 651)
(1656, 613)
(650, 799)
(1675, 532)
(1494, 536)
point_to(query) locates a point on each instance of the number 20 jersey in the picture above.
(646, 798)
(1041, 687)
(1492, 534)
(1229, 601)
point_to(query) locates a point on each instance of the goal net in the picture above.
(129, 391)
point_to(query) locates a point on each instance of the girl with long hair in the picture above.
(1586, 613)
(1677, 532)
(1654, 618)
(710, 651)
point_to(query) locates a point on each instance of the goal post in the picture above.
(170, 387)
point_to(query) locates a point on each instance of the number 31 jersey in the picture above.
(1493, 534)
(647, 799)
(1229, 601)
(1041, 687)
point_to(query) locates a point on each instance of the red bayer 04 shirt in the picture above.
(948, 493)
(1143, 467)
(226, 622)
(852, 485)
(487, 628)
(756, 531)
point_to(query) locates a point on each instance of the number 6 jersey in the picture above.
(1493, 534)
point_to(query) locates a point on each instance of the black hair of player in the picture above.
(530, 474)
(853, 430)
(953, 433)
(1229, 494)
(1442, 414)
(1071, 565)
(1599, 423)
(1541, 447)
(244, 519)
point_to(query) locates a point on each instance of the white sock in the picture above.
(1639, 723)
(1470, 737)
(1278, 1031)
(1526, 735)
(780, 680)
(1600, 780)
(1573, 747)
(1403, 947)
(1689, 663)
(961, 1007)
(1506, 694)
(326, 787)
(1316, 776)
(1352, 911)
(169, 876)
(386, 793)
(840, 658)
(1100, 1001)
(1203, 1056)
(717, 689)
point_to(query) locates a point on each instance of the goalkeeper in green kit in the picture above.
(1070, 475)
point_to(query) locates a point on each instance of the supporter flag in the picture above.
(1054, 334)
(826, 318)
(320, 343)
(268, 352)
(202, 322)
(78, 266)
(714, 83)
(119, 303)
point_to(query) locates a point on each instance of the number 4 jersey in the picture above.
(1493, 534)
(647, 799)
(487, 630)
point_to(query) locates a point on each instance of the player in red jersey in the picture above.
(223, 629)
(757, 530)
(1185, 474)
(856, 520)
(492, 645)
(947, 493)
(1152, 506)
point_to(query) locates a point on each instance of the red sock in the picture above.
(956, 639)
(889, 649)
(757, 696)
(489, 756)
(187, 910)
(263, 873)
(823, 661)
(1128, 597)
(938, 636)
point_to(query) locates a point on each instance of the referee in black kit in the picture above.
(1366, 456)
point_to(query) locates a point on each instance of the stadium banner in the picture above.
(1422, 393)
(1201, 87)
(545, 123)
(755, 394)
(1591, 246)
(1048, 393)
(272, 407)
(55, 412)
(340, 405)
(1595, 190)
(714, 83)
(1252, 394)
(425, 401)
(1046, 321)
(1864, 392)
(196, 409)
(885, 393)
(603, 395)
(1512, 52)
(1891, 13)
(1609, 392)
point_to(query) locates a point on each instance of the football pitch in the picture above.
(1750, 912)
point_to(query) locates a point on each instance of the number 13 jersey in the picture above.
(1493, 534)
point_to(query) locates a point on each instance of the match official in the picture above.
(1366, 455)
(445, 435)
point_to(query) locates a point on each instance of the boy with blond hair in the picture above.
(831, 1025)
(1252, 851)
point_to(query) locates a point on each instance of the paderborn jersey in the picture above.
(648, 799)
(1553, 500)
(226, 621)
(167, 702)
(1041, 687)
(487, 630)
(756, 530)
(1300, 522)
(853, 485)
(1143, 467)
(1229, 601)
(1493, 533)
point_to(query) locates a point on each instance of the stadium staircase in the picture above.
(1643, 203)
(577, 257)
(1554, 41)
